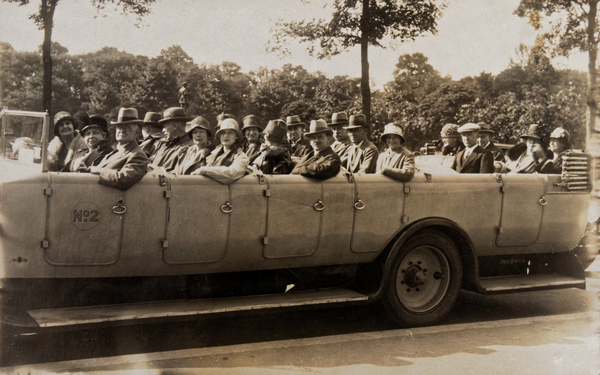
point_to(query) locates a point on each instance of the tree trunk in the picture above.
(364, 62)
(592, 102)
(47, 12)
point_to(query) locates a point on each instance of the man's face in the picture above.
(251, 134)
(92, 136)
(65, 128)
(126, 133)
(339, 133)
(449, 141)
(295, 133)
(357, 135)
(171, 129)
(469, 138)
(483, 139)
(319, 141)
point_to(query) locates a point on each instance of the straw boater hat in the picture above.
(276, 131)
(95, 120)
(251, 121)
(485, 128)
(294, 121)
(357, 121)
(127, 116)
(339, 118)
(318, 126)
(450, 131)
(230, 124)
(393, 129)
(200, 123)
(152, 118)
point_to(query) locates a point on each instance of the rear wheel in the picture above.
(424, 280)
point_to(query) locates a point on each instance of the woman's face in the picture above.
(199, 136)
(557, 145)
(228, 137)
(393, 141)
(65, 129)
(92, 136)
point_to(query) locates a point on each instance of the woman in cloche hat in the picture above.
(560, 144)
(395, 162)
(195, 156)
(66, 142)
(227, 162)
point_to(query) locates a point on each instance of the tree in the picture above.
(44, 20)
(572, 25)
(360, 22)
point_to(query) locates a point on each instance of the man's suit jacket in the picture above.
(496, 151)
(362, 158)
(323, 165)
(301, 148)
(480, 161)
(123, 168)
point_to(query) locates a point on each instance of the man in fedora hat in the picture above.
(251, 130)
(485, 141)
(125, 166)
(362, 156)
(151, 132)
(473, 159)
(323, 163)
(173, 148)
(299, 146)
(342, 143)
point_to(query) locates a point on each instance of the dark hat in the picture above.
(61, 117)
(536, 131)
(276, 131)
(318, 126)
(484, 128)
(251, 121)
(152, 118)
(174, 114)
(468, 127)
(357, 121)
(450, 131)
(95, 120)
(339, 118)
(230, 124)
(199, 122)
(294, 121)
(393, 129)
(127, 116)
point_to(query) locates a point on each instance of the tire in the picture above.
(424, 280)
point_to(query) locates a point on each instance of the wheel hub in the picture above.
(414, 276)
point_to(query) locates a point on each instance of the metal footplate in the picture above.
(72, 316)
(523, 283)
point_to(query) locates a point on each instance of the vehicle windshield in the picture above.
(22, 136)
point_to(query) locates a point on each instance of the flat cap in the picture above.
(468, 127)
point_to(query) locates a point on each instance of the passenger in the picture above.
(172, 149)
(323, 163)
(274, 156)
(560, 145)
(362, 156)
(451, 140)
(195, 157)
(221, 117)
(126, 165)
(299, 146)
(485, 141)
(524, 162)
(395, 162)
(151, 132)
(342, 143)
(251, 131)
(227, 162)
(473, 159)
(95, 134)
(66, 142)
(543, 164)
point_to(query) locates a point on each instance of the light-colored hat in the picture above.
(484, 128)
(357, 121)
(230, 124)
(294, 121)
(174, 114)
(393, 129)
(152, 118)
(251, 121)
(339, 118)
(127, 116)
(276, 131)
(560, 133)
(318, 126)
(450, 131)
(200, 123)
(468, 127)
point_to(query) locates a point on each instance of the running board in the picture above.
(72, 316)
(523, 283)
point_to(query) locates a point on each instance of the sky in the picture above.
(474, 36)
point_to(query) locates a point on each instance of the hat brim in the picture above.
(402, 139)
(297, 124)
(353, 127)
(237, 132)
(250, 127)
(183, 119)
(130, 122)
(82, 130)
(63, 119)
(208, 132)
(337, 123)
(327, 131)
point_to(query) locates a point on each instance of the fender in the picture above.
(448, 227)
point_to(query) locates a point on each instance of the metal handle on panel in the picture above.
(119, 209)
(226, 208)
(359, 204)
(319, 206)
(543, 200)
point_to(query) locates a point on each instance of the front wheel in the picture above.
(424, 280)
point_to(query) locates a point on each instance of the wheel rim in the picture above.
(423, 279)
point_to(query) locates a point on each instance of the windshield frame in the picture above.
(4, 113)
